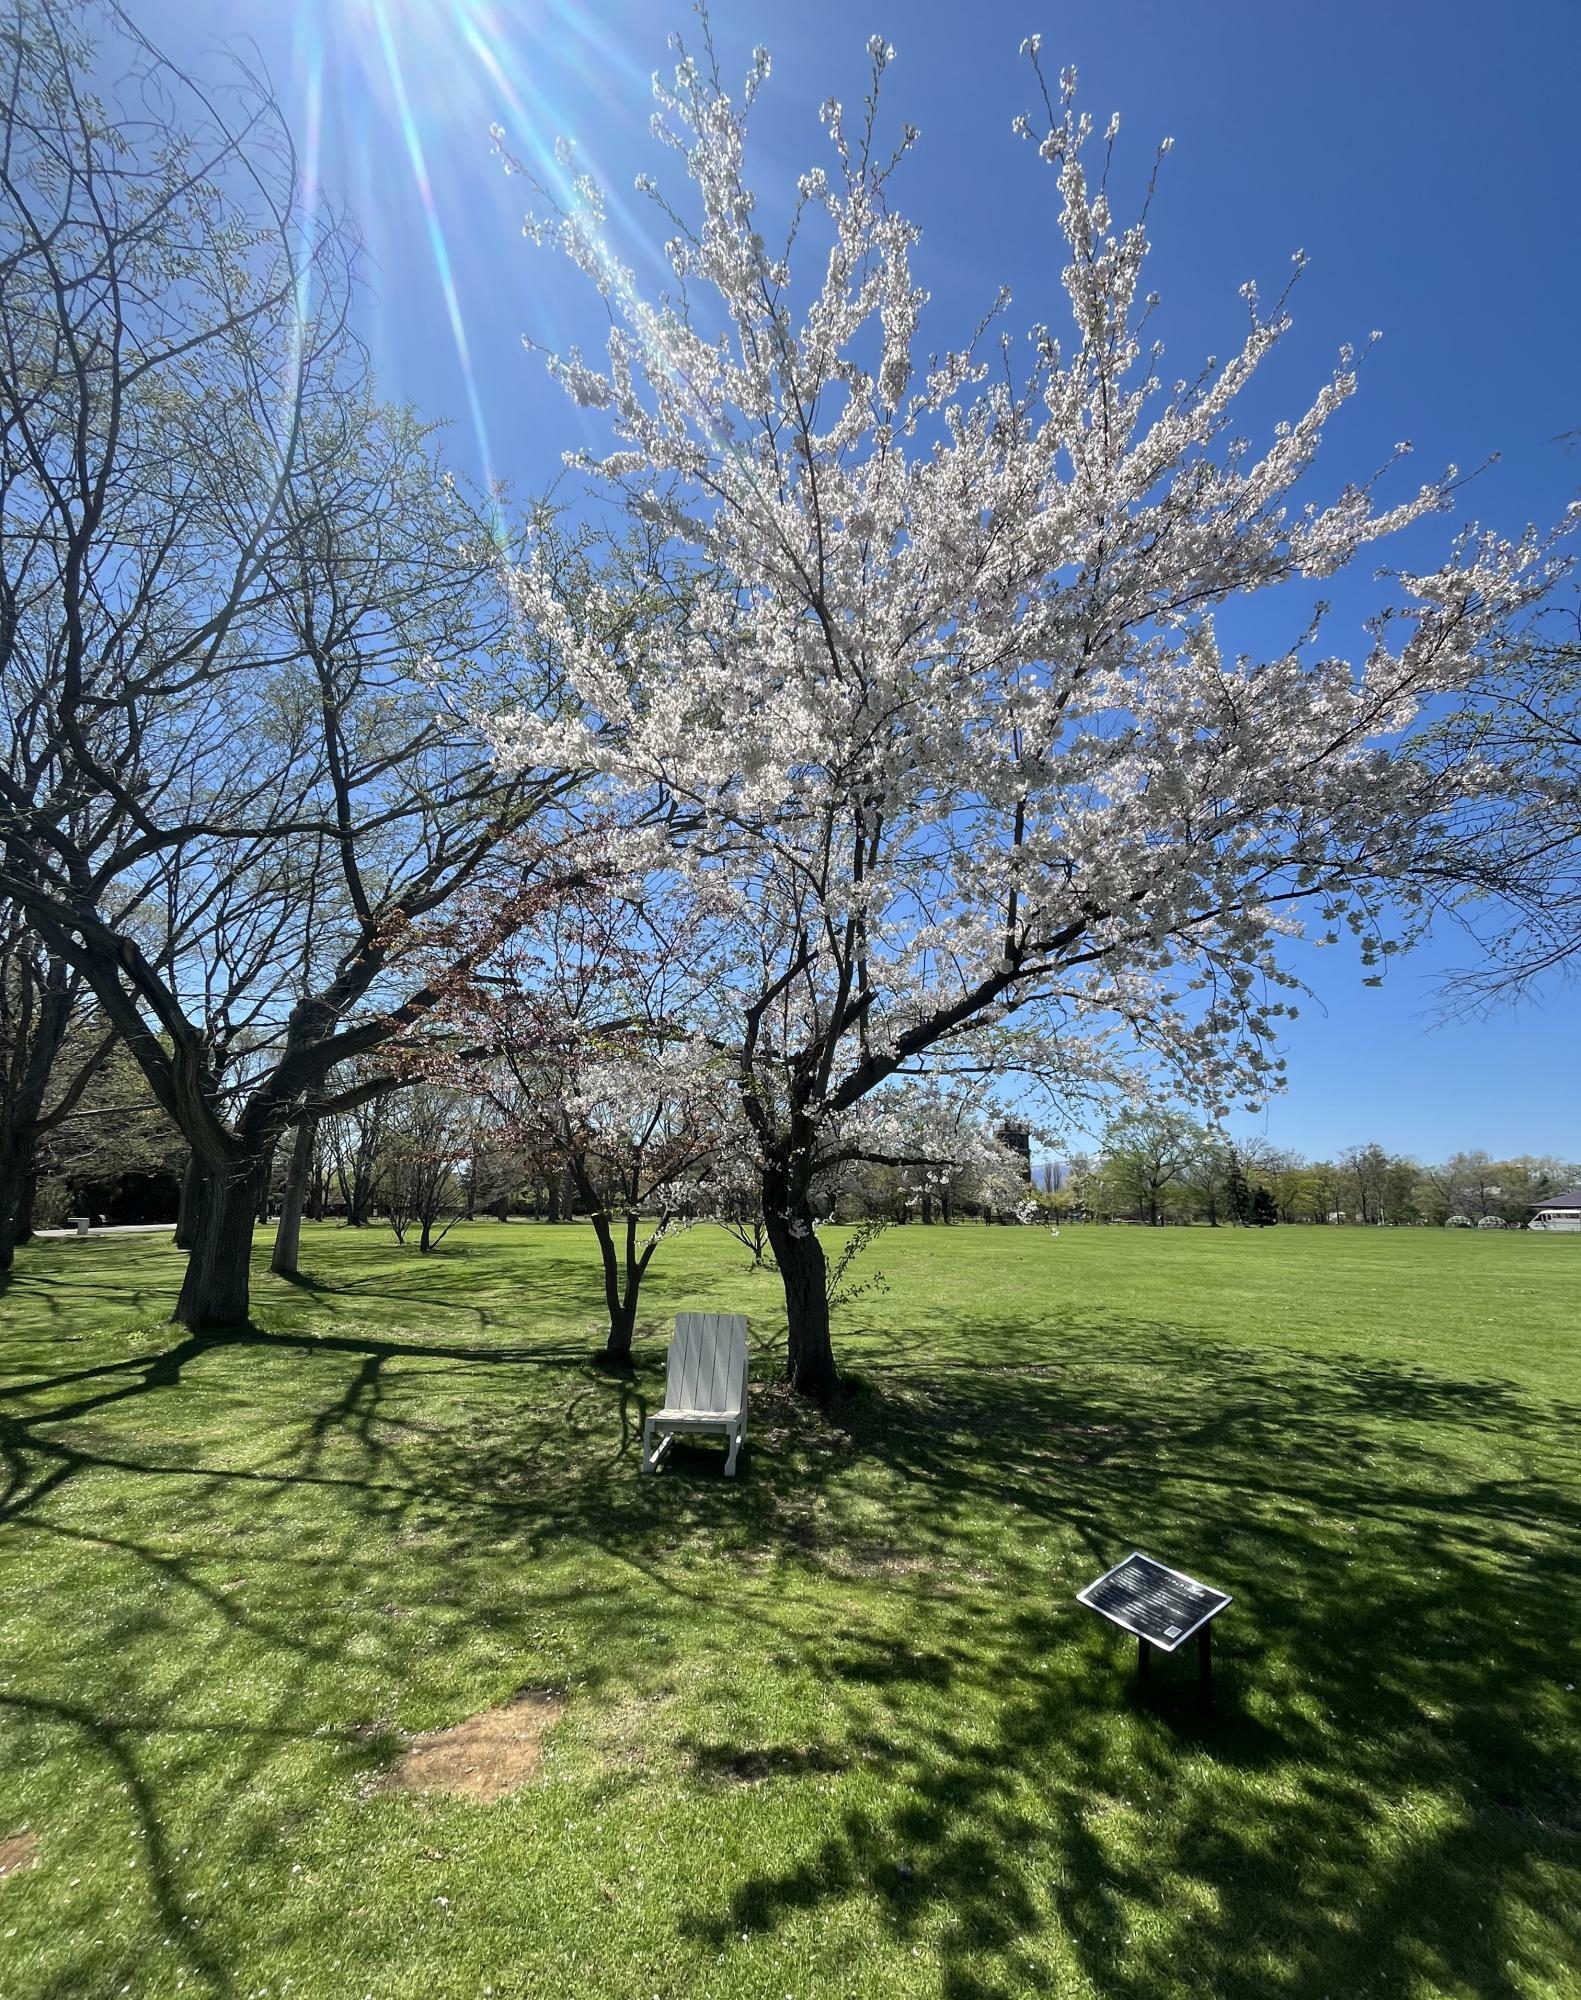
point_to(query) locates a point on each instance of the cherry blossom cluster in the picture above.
(948, 738)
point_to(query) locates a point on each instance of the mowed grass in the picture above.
(837, 1729)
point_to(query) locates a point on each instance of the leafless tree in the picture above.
(744, 1221)
(44, 1068)
(230, 807)
(425, 1150)
(353, 1140)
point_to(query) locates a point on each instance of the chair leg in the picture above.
(650, 1457)
(730, 1461)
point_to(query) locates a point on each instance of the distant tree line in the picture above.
(419, 1157)
(422, 1155)
(1161, 1167)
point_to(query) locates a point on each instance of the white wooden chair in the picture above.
(705, 1386)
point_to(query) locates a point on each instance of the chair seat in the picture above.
(705, 1387)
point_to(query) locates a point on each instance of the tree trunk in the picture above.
(265, 1176)
(24, 1207)
(214, 1290)
(187, 1208)
(15, 1201)
(27, 1086)
(809, 1364)
(18, 1185)
(293, 1199)
(620, 1299)
(612, 1299)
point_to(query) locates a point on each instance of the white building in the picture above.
(1559, 1211)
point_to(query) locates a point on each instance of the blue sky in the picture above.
(1424, 154)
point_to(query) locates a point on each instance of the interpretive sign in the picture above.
(1163, 1606)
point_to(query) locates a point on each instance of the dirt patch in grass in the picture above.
(485, 1758)
(17, 1850)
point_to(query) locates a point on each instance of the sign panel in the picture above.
(1164, 1606)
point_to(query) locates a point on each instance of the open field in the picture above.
(834, 1730)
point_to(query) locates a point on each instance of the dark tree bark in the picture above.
(265, 1180)
(293, 1200)
(798, 1253)
(214, 1292)
(19, 1135)
(187, 1208)
(620, 1298)
(38, 995)
(16, 1174)
(625, 1266)
(24, 1211)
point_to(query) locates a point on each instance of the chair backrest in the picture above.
(708, 1362)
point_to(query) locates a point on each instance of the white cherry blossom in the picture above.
(956, 756)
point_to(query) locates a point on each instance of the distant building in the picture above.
(1558, 1211)
(1018, 1139)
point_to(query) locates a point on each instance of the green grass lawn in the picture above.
(836, 1729)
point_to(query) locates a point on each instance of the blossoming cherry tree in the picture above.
(944, 722)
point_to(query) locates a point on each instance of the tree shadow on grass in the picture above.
(1373, 1806)
(272, 1548)
(1389, 1796)
(1386, 1800)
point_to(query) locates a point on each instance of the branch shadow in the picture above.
(1393, 1658)
(1388, 1797)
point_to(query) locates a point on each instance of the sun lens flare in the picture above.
(435, 77)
